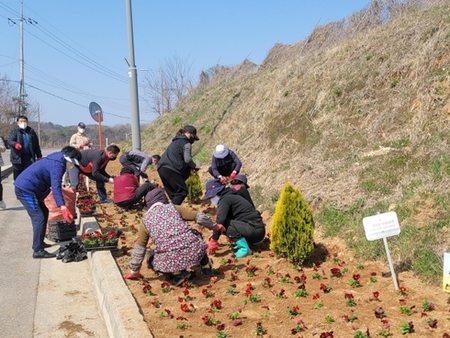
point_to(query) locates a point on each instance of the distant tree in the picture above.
(8, 106)
(167, 86)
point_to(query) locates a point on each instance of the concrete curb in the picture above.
(6, 171)
(122, 316)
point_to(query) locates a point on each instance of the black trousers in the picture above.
(174, 185)
(18, 168)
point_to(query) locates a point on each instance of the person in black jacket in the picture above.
(240, 185)
(243, 223)
(224, 163)
(24, 144)
(176, 164)
(138, 161)
(92, 164)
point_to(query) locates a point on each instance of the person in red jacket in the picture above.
(127, 191)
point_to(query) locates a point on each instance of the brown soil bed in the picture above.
(271, 297)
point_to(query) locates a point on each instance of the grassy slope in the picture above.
(359, 127)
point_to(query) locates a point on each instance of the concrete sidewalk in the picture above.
(76, 299)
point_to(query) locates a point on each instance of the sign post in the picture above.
(383, 226)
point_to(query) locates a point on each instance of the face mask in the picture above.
(215, 200)
(81, 130)
(69, 165)
(23, 125)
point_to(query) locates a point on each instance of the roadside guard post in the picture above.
(383, 226)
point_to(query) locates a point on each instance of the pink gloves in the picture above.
(233, 175)
(133, 275)
(17, 146)
(67, 215)
(219, 227)
(212, 246)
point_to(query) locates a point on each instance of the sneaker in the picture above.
(106, 201)
(43, 254)
(177, 278)
(206, 270)
(2, 205)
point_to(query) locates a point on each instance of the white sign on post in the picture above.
(383, 226)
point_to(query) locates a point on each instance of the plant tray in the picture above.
(59, 231)
(98, 248)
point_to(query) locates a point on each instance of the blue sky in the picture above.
(75, 50)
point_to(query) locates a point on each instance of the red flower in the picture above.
(186, 292)
(356, 276)
(336, 272)
(236, 322)
(220, 327)
(184, 307)
(316, 296)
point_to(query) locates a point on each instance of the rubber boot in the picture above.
(242, 248)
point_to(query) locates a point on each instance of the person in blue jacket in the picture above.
(33, 185)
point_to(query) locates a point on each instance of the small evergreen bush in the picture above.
(292, 233)
(194, 186)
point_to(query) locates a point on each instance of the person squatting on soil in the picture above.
(243, 223)
(177, 245)
(2, 150)
(176, 164)
(93, 164)
(79, 139)
(240, 185)
(33, 185)
(24, 145)
(127, 191)
(224, 163)
(138, 161)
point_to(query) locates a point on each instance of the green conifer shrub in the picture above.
(194, 186)
(292, 232)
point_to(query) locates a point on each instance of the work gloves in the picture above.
(67, 214)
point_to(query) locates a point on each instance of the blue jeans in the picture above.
(38, 213)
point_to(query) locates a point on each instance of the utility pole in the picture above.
(21, 99)
(132, 75)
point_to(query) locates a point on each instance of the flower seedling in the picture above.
(270, 270)
(385, 332)
(207, 293)
(221, 334)
(359, 267)
(405, 310)
(266, 283)
(349, 299)
(285, 278)
(208, 320)
(376, 296)
(325, 288)
(329, 319)
(432, 323)
(407, 328)
(252, 299)
(402, 291)
(251, 271)
(166, 287)
(354, 282)
(318, 304)
(293, 311)
(379, 313)
(350, 319)
(427, 306)
(326, 334)
(316, 275)
(299, 327)
(231, 290)
(300, 293)
(156, 303)
(147, 288)
(182, 326)
(260, 330)
(232, 277)
(359, 334)
(234, 316)
(336, 272)
(216, 305)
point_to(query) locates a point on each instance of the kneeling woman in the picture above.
(177, 245)
(242, 222)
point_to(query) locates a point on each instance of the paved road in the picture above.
(41, 298)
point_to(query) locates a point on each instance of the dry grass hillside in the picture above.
(356, 116)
